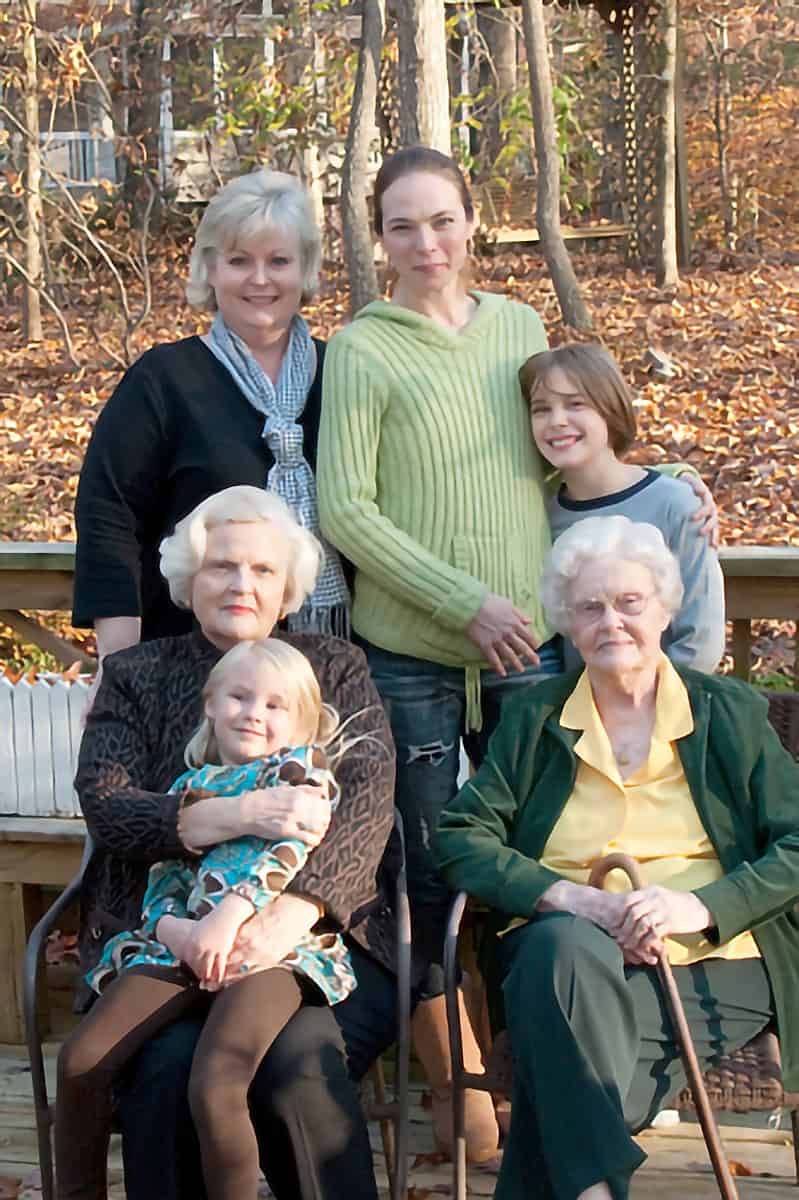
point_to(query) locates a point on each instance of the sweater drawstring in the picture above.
(474, 709)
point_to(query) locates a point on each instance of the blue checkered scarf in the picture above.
(281, 405)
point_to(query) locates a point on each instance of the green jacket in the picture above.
(745, 786)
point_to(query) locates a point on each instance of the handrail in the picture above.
(760, 583)
(736, 561)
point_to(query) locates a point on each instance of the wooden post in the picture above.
(742, 648)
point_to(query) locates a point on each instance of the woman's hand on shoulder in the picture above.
(707, 513)
(500, 632)
(301, 812)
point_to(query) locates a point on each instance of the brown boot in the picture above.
(431, 1043)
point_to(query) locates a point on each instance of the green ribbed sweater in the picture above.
(428, 478)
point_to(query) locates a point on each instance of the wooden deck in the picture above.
(677, 1167)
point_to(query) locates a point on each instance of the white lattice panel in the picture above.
(39, 739)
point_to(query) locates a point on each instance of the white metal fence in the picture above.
(77, 157)
(40, 732)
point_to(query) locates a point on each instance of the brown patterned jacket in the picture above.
(147, 706)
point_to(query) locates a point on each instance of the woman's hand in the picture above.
(271, 934)
(605, 909)
(651, 914)
(301, 812)
(500, 632)
(707, 512)
(92, 692)
(111, 634)
(271, 813)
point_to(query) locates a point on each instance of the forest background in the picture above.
(712, 357)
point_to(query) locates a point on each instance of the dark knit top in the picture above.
(176, 430)
(147, 706)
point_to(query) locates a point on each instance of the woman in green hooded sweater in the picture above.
(427, 471)
(430, 483)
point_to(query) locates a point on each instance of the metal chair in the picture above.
(391, 1112)
(747, 1081)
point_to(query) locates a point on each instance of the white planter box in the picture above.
(40, 734)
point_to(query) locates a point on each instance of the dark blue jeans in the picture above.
(426, 706)
(304, 1101)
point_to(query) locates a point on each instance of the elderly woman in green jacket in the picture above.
(682, 771)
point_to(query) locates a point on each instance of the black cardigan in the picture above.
(176, 430)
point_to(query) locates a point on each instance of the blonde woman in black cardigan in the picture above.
(238, 405)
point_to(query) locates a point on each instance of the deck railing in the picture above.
(761, 582)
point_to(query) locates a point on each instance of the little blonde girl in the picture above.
(583, 422)
(264, 726)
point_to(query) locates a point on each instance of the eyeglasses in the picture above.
(627, 604)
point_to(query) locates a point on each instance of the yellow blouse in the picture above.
(649, 815)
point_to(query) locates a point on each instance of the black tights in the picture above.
(243, 1021)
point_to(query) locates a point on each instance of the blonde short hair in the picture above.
(262, 202)
(317, 722)
(183, 552)
(618, 538)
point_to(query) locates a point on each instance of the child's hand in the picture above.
(174, 933)
(212, 938)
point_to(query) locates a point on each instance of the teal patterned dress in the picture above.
(247, 866)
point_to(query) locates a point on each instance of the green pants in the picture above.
(593, 1051)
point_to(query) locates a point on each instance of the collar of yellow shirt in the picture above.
(673, 720)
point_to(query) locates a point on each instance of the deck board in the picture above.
(677, 1166)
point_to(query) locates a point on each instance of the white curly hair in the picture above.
(616, 538)
(183, 552)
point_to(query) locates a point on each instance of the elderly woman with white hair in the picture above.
(239, 404)
(240, 562)
(682, 771)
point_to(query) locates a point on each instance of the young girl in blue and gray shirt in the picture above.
(583, 422)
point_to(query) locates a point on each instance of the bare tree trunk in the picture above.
(423, 86)
(32, 309)
(667, 274)
(497, 74)
(308, 57)
(144, 114)
(362, 130)
(572, 305)
(722, 118)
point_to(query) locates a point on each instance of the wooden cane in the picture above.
(721, 1168)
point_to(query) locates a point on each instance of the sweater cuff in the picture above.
(729, 907)
(318, 890)
(461, 605)
(675, 470)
